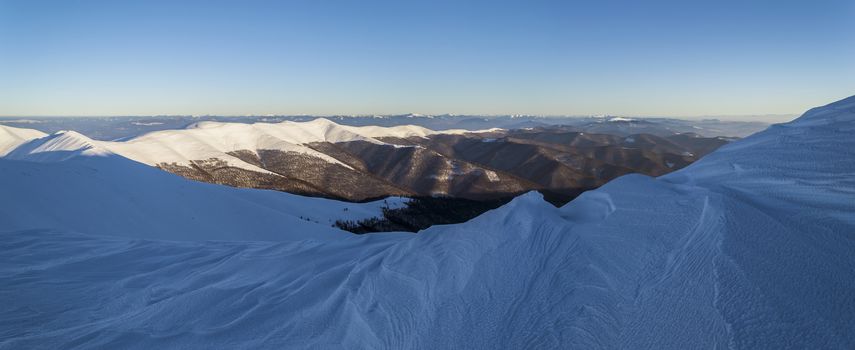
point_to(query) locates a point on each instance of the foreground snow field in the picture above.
(751, 247)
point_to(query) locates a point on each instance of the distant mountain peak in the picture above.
(11, 137)
(58, 146)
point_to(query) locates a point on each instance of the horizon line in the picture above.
(370, 115)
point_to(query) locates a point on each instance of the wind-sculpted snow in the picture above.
(751, 247)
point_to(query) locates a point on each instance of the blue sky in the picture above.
(666, 58)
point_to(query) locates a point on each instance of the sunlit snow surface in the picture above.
(209, 140)
(751, 247)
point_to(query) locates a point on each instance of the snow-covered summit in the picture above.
(57, 147)
(325, 130)
(205, 140)
(10, 137)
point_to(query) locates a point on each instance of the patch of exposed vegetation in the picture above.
(421, 213)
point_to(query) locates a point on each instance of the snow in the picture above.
(750, 247)
(404, 131)
(146, 123)
(60, 146)
(10, 137)
(463, 131)
(21, 121)
(621, 119)
(206, 140)
(401, 131)
(492, 176)
(105, 194)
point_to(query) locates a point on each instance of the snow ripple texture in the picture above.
(751, 247)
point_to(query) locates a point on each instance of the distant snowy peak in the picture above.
(212, 140)
(57, 147)
(10, 137)
(320, 130)
(317, 130)
(621, 119)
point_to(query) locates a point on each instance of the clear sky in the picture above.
(668, 58)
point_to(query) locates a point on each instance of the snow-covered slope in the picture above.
(208, 140)
(77, 185)
(10, 137)
(57, 147)
(751, 247)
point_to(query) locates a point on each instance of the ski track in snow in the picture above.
(750, 247)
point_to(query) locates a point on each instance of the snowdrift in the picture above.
(751, 247)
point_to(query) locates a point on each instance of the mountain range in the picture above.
(122, 128)
(326, 159)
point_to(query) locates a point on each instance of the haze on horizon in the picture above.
(660, 58)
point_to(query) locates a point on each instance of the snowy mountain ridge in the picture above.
(215, 140)
(57, 147)
(10, 137)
